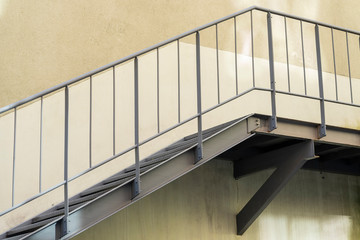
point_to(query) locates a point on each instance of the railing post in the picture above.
(158, 89)
(90, 123)
(303, 55)
(252, 47)
(236, 60)
(136, 184)
(322, 130)
(14, 157)
(287, 55)
(217, 63)
(348, 59)
(178, 76)
(273, 120)
(334, 58)
(114, 110)
(41, 136)
(62, 226)
(199, 148)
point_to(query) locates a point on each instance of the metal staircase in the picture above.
(253, 141)
(103, 199)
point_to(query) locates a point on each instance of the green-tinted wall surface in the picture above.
(203, 205)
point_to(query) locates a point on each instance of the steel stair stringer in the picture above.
(152, 179)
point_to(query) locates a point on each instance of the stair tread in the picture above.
(53, 213)
(149, 164)
(16, 237)
(181, 144)
(28, 228)
(119, 176)
(211, 130)
(142, 168)
(173, 151)
(78, 200)
(111, 182)
(123, 175)
(99, 188)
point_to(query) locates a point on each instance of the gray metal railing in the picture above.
(200, 112)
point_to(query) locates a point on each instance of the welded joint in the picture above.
(321, 131)
(61, 228)
(135, 188)
(199, 153)
(272, 123)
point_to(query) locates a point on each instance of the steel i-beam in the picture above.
(289, 161)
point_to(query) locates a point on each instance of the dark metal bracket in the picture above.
(287, 160)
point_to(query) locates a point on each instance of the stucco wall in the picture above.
(46, 43)
(203, 205)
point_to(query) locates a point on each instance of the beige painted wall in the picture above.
(46, 43)
(45, 174)
(27, 156)
(203, 205)
(60, 40)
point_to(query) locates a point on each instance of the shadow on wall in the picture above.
(312, 206)
(203, 205)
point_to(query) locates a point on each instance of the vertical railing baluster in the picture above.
(136, 184)
(158, 90)
(236, 57)
(114, 120)
(41, 135)
(217, 63)
(252, 47)
(322, 131)
(178, 68)
(90, 124)
(273, 120)
(287, 55)
(333, 48)
(14, 152)
(66, 165)
(199, 148)
(348, 58)
(303, 55)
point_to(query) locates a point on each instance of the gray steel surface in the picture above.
(322, 131)
(289, 161)
(272, 74)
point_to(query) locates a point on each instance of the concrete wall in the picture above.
(40, 154)
(47, 43)
(203, 205)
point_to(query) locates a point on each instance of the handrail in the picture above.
(306, 20)
(141, 52)
(117, 62)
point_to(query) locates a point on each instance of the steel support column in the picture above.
(136, 183)
(322, 130)
(273, 124)
(199, 148)
(62, 225)
(289, 161)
